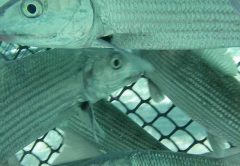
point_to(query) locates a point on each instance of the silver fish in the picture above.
(38, 91)
(114, 138)
(155, 158)
(145, 24)
(201, 83)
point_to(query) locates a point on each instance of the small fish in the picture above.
(38, 91)
(115, 139)
(202, 83)
(145, 24)
(155, 158)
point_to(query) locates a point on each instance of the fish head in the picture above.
(108, 73)
(44, 23)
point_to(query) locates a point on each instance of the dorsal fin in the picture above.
(220, 60)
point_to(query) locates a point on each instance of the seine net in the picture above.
(164, 121)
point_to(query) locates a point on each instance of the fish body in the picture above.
(145, 24)
(38, 91)
(173, 24)
(114, 138)
(206, 94)
(154, 158)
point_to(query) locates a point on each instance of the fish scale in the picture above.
(173, 24)
(24, 103)
(23, 96)
(206, 95)
(155, 158)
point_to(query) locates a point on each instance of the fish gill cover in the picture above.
(163, 120)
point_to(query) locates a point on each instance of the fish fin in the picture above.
(86, 112)
(231, 155)
(232, 159)
(75, 148)
(232, 151)
(95, 126)
(218, 144)
(220, 59)
(155, 92)
(13, 161)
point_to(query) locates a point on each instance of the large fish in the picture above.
(202, 84)
(155, 158)
(116, 137)
(145, 24)
(38, 91)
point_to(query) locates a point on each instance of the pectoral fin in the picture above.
(12, 161)
(217, 144)
(155, 92)
(95, 126)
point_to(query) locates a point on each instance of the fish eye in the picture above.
(32, 8)
(116, 63)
